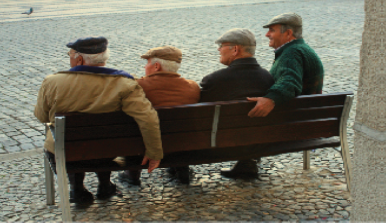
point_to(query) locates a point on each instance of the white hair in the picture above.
(93, 59)
(250, 49)
(296, 30)
(168, 66)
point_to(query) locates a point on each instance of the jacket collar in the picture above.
(163, 73)
(244, 61)
(100, 70)
(287, 45)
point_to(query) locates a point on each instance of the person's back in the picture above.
(300, 55)
(163, 86)
(72, 91)
(169, 89)
(243, 78)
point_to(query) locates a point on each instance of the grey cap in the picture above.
(238, 36)
(289, 18)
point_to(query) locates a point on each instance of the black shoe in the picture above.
(242, 169)
(106, 191)
(127, 178)
(81, 196)
(183, 174)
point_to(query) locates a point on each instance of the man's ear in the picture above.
(79, 60)
(236, 50)
(157, 66)
(290, 33)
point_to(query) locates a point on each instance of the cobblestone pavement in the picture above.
(11, 10)
(32, 49)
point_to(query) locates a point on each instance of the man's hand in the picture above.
(152, 163)
(263, 106)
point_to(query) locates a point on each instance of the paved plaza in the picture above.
(34, 47)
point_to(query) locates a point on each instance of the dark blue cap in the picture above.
(89, 45)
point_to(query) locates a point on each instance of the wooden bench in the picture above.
(198, 134)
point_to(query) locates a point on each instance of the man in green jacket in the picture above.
(297, 69)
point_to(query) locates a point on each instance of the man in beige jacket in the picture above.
(88, 87)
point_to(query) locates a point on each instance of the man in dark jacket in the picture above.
(243, 78)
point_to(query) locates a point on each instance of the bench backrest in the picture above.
(203, 126)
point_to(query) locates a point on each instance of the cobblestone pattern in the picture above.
(33, 49)
(286, 194)
(10, 10)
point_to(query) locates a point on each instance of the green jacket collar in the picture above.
(287, 45)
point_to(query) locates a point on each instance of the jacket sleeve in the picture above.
(196, 91)
(289, 82)
(136, 105)
(42, 107)
(208, 89)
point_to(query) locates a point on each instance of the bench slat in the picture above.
(106, 148)
(202, 124)
(88, 120)
(279, 117)
(132, 130)
(217, 155)
(203, 110)
(278, 133)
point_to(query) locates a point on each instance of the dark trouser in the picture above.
(133, 174)
(134, 160)
(181, 168)
(76, 179)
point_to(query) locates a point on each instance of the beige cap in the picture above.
(289, 18)
(166, 52)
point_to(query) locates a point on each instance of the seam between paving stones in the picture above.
(19, 155)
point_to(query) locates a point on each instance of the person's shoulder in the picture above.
(51, 76)
(218, 73)
(304, 50)
(57, 74)
(301, 46)
(264, 71)
(294, 51)
(128, 81)
(190, 82)
(143, 81)
(55, 77)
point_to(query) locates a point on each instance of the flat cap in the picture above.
(238, 36)
(289, 18)
(89, 45)
(166, 52)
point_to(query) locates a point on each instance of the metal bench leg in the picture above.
(50, 186)
(343, 139)
(306, 160)
(61, 169)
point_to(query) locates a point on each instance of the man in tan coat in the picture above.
(165, 87)
(88, 87)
